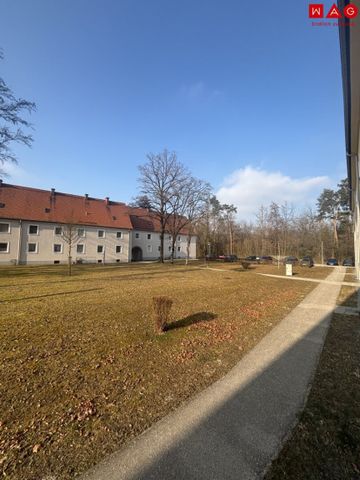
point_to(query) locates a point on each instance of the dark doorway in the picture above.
(136, 254)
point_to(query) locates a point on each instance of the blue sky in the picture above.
(249, 96)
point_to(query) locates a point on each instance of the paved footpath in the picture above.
(234, 428)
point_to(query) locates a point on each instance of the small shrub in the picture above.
(162, 306)
(245, 264)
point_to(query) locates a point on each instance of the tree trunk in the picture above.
(69, 260)
(162, 245)
(173, 241)
(188, 249)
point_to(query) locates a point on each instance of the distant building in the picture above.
(33, 223)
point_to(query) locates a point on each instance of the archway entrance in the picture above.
(136, 254)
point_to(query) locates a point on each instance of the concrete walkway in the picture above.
(234, 428)
(314, 280)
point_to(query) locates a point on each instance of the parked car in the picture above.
(227, 258)
(307, 262)
(266, 259)
(332, 261)
(210, 257)
(348, 262)
(253, 259)
(292, 260)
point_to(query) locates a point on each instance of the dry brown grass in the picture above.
(82, 370)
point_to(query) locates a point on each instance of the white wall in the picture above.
(151, 246)
(46, 238)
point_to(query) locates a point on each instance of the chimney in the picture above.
(107, 200)
(1, 182)
(86, 196)
(53, 192)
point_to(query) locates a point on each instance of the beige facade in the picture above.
(146, 245)
(26, 242)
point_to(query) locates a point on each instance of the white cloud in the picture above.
(16, 174)
(199, 90)
(248, 188)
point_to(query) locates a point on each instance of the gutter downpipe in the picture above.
(18, 260)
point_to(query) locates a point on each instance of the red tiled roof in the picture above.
(143, 219)
(44, 206)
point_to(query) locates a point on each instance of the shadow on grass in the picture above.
(50, 295)
(191, 320)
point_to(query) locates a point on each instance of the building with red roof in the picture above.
(39, 226)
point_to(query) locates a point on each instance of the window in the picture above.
(149, 248)
(169, 238)
(58, 230)
(169, 248)
(137, 235)
(32, 248)
(80, 248)
(4, 227)
(57, 248)
(100, 248)
(118, 248)
(149, 236)
(118, 234)
(179, 249)
(101, 233)
(81, 232)
(179, 238)
(34, 229)
(4, 247)
(159, 248)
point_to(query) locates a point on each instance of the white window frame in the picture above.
(83, 252)
(179, 249)
(81, 236)
(102, 249)
(61, 248)
(58, 234)
(137, 235)
(98, 236)
(7, 249)
(149, 248)
(9, 227)
(33, 225)
(179, 238)
(120, 247)
(119, 235)
(149, 236)
(32, 243)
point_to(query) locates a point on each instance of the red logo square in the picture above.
(316, 10)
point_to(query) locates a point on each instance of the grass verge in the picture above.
(82, 371)
(326, 442)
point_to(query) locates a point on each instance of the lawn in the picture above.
(82, 371)
(326, 442)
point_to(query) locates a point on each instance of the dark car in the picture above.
(348, 262)
(291, 260)
(332, 261)
(307, 262)
(252, 258)
(227, 258)
(266, 259)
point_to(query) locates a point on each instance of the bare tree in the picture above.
(11, 110)
(187, 206)
(70, 235)
(159, 180)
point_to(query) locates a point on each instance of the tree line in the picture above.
(181, 202)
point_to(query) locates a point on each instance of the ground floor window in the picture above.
(57, 248)
(179, 249)
(80, 248)
(4, 247)
(118, 248)
(100, 248)
(149, 248)
(32, 248)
